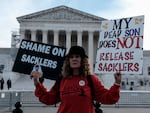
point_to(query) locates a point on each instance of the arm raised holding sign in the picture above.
(36, 74)
(117, 77)
(75, 91)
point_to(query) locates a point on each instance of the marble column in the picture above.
(79, 38)
(33, 35)
(90, 47)
(22, 34)
(68, 40)
(44, 33)
(56, 35)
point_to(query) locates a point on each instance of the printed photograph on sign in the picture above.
(120, 46)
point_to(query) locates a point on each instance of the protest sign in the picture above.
(120, 46)
(48, 57)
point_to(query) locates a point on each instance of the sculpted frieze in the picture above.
(62, 14)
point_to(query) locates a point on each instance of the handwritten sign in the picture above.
(48, 57)
(120, 46)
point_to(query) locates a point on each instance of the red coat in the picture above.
(75, 95)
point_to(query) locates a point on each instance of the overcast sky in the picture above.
(110, 9)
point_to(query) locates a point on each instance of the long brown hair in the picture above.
(84, 70)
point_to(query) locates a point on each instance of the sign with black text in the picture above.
(49, 57)
(120, 46)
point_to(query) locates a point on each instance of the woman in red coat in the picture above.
(74, 92)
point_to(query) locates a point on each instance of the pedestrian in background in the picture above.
(2, 83)
(18, 109)
(8, 83)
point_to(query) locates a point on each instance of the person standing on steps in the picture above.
(2, 83)
(8, 83)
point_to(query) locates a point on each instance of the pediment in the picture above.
(61, 13)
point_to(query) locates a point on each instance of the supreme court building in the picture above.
(63, 26)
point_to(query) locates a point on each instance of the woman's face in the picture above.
(75, 61)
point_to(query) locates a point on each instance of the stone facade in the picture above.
(65, 26)
(62, 26)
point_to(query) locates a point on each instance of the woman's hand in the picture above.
(117, 77)
(36, 75)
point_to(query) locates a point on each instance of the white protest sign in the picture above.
(120, 46)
